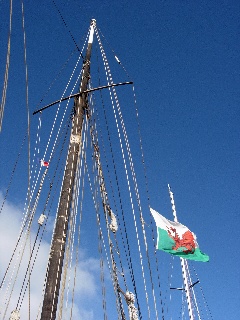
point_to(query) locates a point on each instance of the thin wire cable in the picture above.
(118, 61)
(208, 311)
(28, 125)
(12, 174)
(192, 291)
(148, 198)
(65, 24)
(5, 84)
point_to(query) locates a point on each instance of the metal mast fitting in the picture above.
(55, 263)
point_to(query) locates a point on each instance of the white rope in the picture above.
(109, 79)
(102, 238)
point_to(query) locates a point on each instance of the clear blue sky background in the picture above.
(184, 58)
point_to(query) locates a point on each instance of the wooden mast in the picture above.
(55, 264)
(183, 263)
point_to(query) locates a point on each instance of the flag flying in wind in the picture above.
(175, 238)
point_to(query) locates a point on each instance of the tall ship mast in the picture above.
(86, 188)
(56, 258)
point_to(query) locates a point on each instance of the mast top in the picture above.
(92, 25)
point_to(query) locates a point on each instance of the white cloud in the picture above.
(87, 272)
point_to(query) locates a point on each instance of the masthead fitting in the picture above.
(93, 24)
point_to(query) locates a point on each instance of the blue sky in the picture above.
(183, 57)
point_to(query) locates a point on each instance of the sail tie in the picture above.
(15, 315)
(41, 219)
(130, 300)
(113, 225)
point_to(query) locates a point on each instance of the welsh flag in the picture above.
(175, 238)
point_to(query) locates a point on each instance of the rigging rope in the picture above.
(128, 254)
(114, 98)
(65, 24)
(209, 314)
(94, 192)
(148, 198)
(24, 242)
(131, 308)
(28, 122)
(192, 290)
(45, 223)
(101, 238)
(107, 210)
(145, 175)
(12, 174)
(38, 193)
(24, 220)
(56, 189)
(23, 226)
(46, 203)
(118, 61)
(94, 130)
(5, 84)
(56, 78)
